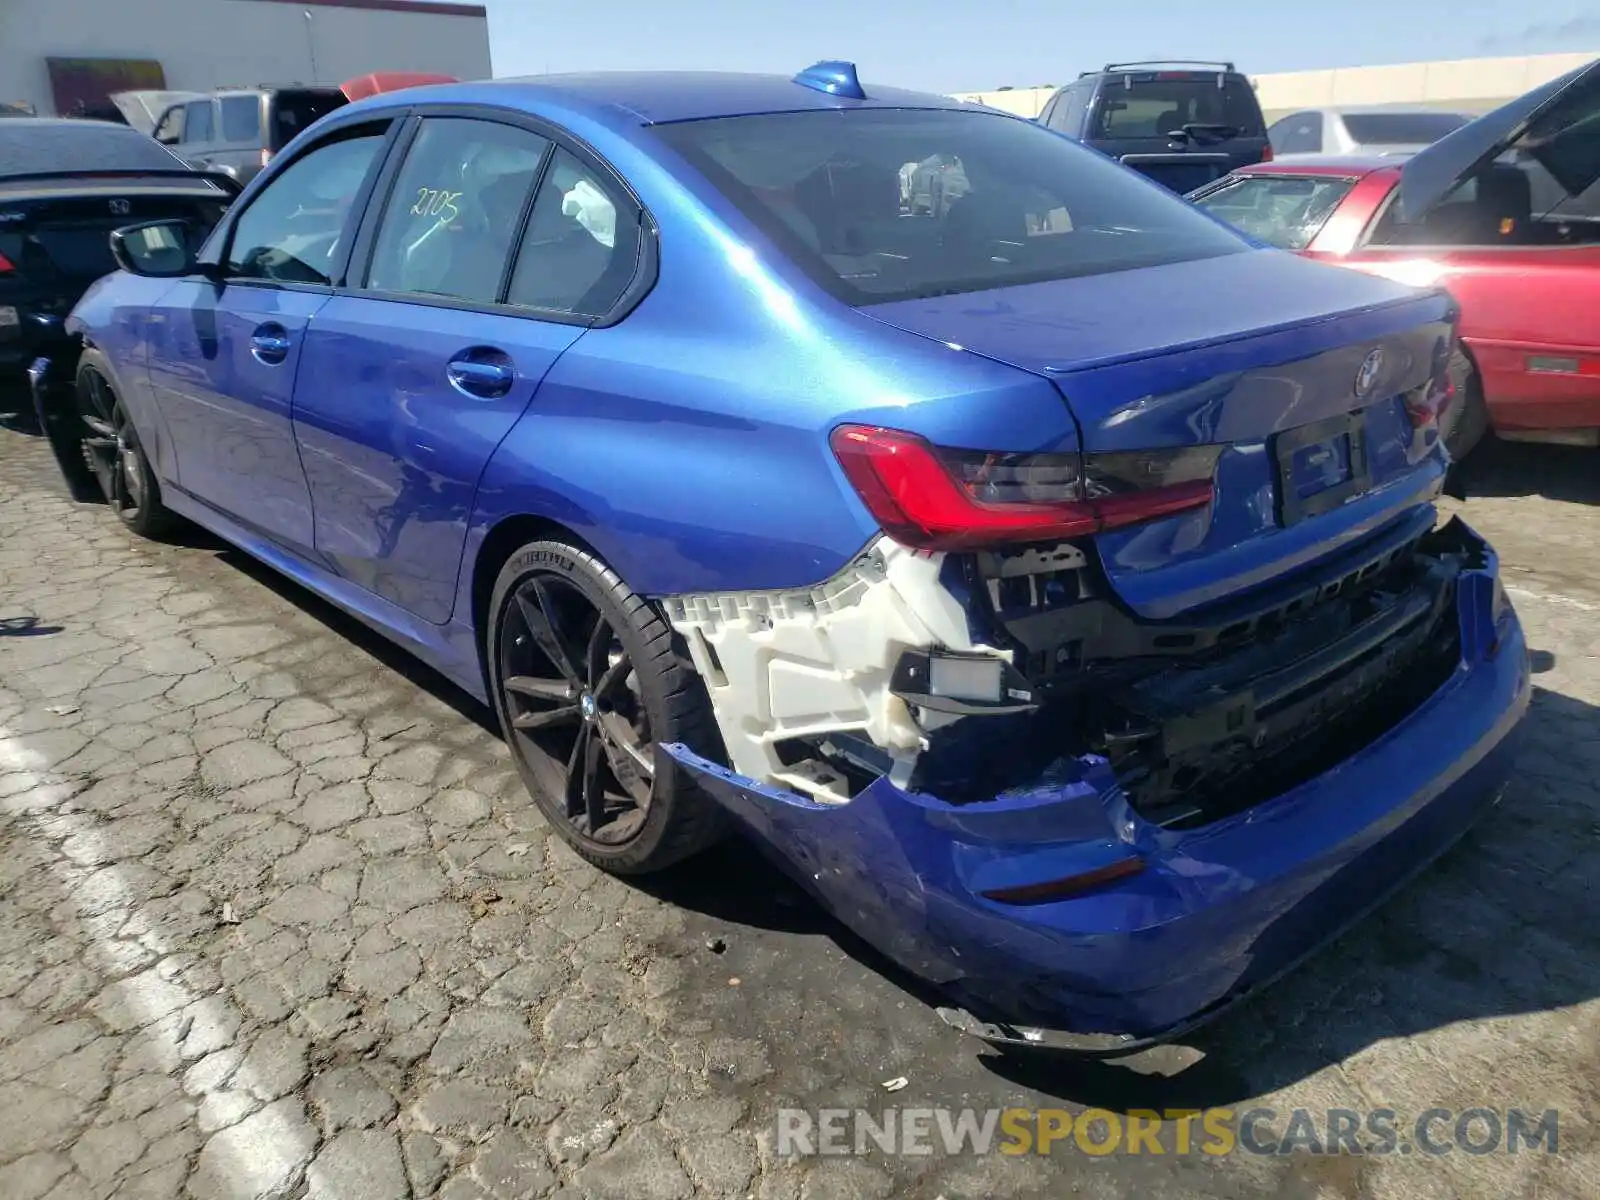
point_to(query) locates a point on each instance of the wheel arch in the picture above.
(54, 393)
(503, 540)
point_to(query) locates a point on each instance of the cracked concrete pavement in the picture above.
(276, 920)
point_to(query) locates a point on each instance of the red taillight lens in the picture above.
(1266, 154)
(936, 499)
(6, 265)
(1424, 404)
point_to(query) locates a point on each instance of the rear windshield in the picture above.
(29, 147)
(891, 204)
(293, 111)
(1153, 104)
(1281, 210)
(70, 237)
(1401, 129)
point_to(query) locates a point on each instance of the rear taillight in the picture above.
(1425, 403)
(939, 499)
(1266, 154)
(6, 265)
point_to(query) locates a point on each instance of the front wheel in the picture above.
(586, 681)
(114, 453)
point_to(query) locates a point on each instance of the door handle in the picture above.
(484, 375)
(270, 344)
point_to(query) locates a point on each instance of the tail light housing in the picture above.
(1425, 403)
(933, 498)
(7, 267)
(1266, 153)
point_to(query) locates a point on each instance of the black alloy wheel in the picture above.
(586, 681)
(114, 453)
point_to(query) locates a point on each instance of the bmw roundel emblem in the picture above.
(1367, 376)
(120, 208)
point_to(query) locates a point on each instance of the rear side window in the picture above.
(1068, 117)
(1401, 129)
(293, 111)
(296, 224)
(1152, 104)
(241, 119)
(889, 204)
(453, 214)
(198, 125)
(582, 246)
(1299, 134)
(1282, 210)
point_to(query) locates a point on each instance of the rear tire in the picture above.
(112, 448)
(587, 681)
(1468, 419)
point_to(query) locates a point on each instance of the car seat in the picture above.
(1164, 124)
(1500, 212)
(848, 200)
(1505, 203)
(985, 216)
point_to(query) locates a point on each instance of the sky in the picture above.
(976, 45)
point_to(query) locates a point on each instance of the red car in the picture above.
(1505, 212)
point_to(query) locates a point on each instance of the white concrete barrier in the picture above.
(1468, 85)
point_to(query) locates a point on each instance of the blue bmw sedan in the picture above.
(1050, 580)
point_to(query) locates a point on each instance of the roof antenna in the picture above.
(833, 77)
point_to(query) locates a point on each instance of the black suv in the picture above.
(1181, 123)
(238, 130)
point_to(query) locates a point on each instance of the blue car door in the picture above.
(226, 351)
(413, 376)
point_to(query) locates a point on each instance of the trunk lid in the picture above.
(142, 108)
(1556, 124)
(1300, 372)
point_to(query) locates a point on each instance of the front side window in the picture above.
(1069, 117)
(1282, 210)
(197, 126)
(293, 228)
(832, 190)
(241, 119)
(453, 213)
(582, 246)
(1513, 201)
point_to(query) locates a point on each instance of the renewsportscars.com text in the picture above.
(1213, 1132)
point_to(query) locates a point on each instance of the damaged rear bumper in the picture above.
(1213, 913)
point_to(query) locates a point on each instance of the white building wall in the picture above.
(1468, 85)
(203, 44)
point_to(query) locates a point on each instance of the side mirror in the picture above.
(155, 249)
